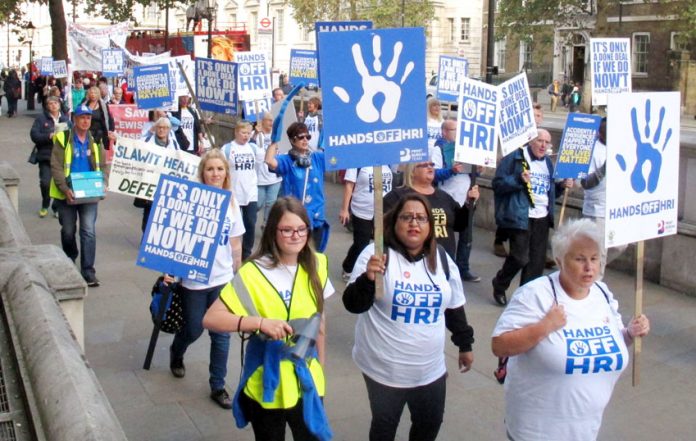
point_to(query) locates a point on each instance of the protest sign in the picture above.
(373, 99)
(176, 76)
(254, 109)
(60, 69)
(577, 143)
(303, 68)
(216, 85)
(253, 75)
(642, 166)
(46, 66)
(128, 120)
(85, 44)
(182, 232)
(517, 126)
(477, 139)
(113, 62)
(136, 167)
(450, 75)
(152, 86)
(610, 68)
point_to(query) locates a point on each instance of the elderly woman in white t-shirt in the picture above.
(566, 344)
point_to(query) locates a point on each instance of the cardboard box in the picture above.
(87, 187)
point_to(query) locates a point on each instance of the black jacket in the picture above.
(41, 132)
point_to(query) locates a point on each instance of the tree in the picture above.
(383, 13)
(11, 12)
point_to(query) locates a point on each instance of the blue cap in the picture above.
(82, 110)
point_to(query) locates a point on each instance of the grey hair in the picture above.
(163, 121)
(570, 231)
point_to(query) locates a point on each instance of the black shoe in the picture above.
(500, 297)
(222, 398)
(176, 365)
(470, 277)
(92, 281)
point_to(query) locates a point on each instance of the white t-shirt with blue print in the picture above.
(400, 340)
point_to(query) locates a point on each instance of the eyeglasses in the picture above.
(426, 165)
(305, 136)
(288, 232)
(421, 219)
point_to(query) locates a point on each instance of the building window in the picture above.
(677, 42)
(500, 54)
(641, 45)
(525, 55)
(152, 12)
(466, 29)
(280, 25)
(450, 30)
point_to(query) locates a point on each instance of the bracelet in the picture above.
(239, 324)
(260, 323)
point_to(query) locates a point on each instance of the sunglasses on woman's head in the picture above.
(306, 136)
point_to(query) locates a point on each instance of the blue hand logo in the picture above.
(647, 151)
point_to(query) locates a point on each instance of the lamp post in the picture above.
(210, 8)
(30, 85)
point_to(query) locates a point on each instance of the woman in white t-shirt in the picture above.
(277, 295)
(241, 156)
(359, 195)
(400, 338)
(566, 342)
(434, 121)
(197, 297)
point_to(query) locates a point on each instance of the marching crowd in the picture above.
(560, 337)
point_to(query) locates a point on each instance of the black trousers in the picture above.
(527, 253)
(362, 233)
(425, 403)
(45, 183)
(269, 424)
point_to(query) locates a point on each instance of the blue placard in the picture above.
(182, 232)
(337, 26)
(254, 109)
(577, 143)
(373, 100)
(113, 62)
(303, 67)
(152, 86)
(46, 66)
(216, 85)
(450, 74)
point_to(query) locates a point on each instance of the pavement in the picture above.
(152, 405)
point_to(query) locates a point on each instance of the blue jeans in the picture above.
(267, 197)
(67, 216)
(463, 253)
(249, 218)
(195, 303)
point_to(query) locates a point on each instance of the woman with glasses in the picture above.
(399, 338)
(303, 177)
(281, 285)
(449, 216)
(197, 297)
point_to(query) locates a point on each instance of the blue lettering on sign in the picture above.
(416, 306)
(540, 183)
(244, 161)
(644, 209)
(225, 233)
(592, 350)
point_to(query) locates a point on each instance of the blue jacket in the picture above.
(511, 194)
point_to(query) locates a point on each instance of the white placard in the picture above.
(610, 68)
(477, 119)
(517, 126)
(642, 166)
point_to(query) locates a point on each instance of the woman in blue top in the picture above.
(303, 177)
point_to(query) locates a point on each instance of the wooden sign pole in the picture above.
(206, 129)
(378, 227)
(638, 341)
(563, 206)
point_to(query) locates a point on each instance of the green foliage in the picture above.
(383, 13)
(518, 19)
(117, 11)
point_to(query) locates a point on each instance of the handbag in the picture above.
(166, 306)
(34, 156)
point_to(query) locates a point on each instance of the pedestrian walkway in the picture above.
(154, 406)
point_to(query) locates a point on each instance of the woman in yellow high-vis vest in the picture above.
(281, 286)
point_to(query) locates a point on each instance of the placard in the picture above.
(610, 68)
(60, 69)
(253, 75)
(128, 120)
(185, 222)
(216, 85)
(477, 118)
(577, 144)
(373, 97)
(303, 68)
(517, 126)
(113, 62)
(450, 75)
(46, 66)
(153, 86)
